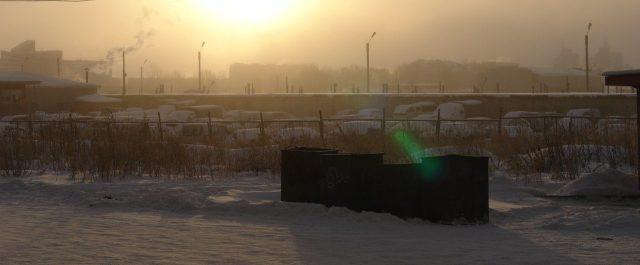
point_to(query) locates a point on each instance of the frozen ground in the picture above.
(46, 219)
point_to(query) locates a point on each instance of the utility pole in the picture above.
(398, 81)
(142, 76)
(86, 75)
(124, 73)
(286, 83)
(586, 49)
(200, 67)
(368, 73)
(368, 69)
(141, 81)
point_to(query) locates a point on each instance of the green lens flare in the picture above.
(415, 152)
(409, 145)
(429, 169)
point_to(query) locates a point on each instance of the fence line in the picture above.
(487, 120)
(112, 147)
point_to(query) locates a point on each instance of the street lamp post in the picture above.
(200, 67)
(368, 69)
(124, 73)
(586, 49)
(142, 75)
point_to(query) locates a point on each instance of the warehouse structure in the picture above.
(24, 92)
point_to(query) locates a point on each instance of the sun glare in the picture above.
(250, 12)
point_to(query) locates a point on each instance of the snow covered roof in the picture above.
(586, 112)
(42, 81)
(405, 108)
(521, 113)
(469, 102)
(622, 73)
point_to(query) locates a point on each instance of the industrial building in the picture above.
(22, 92)
(25, 58)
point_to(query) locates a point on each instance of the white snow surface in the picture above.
(47, 219)
(610, 182)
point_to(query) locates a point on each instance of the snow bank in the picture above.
(610, 182)
(174, 199)
(594, 218)
(251, 197)
(457, 150)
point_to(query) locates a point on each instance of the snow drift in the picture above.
(610, 182)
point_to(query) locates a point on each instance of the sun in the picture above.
(247, 12)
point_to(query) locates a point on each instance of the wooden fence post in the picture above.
(262, 135)
(30, 125)
(210, 138)
(570, 125)
(72, 131)
(438, 127)
(160, 128)
(500, 121)
(321, 127)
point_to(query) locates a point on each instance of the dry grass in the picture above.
(105, 151)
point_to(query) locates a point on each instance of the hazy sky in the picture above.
(325, 32)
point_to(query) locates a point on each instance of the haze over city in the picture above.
(329, 33)
(319, 132)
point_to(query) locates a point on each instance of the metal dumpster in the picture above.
(347, 178)
(400, 190)
(440, 189)
(455, 187)
(301, 174)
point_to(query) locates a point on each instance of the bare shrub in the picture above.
(108, 150)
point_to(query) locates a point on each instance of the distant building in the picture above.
(25, 58)
(271, 78)
(565, 80)
(566, 59)
(24, 92)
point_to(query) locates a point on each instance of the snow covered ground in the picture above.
(46, 219)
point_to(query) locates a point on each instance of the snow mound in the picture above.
(14, 185)
(251, 197)
(176, 199)
(610, 182)
(593, 218)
